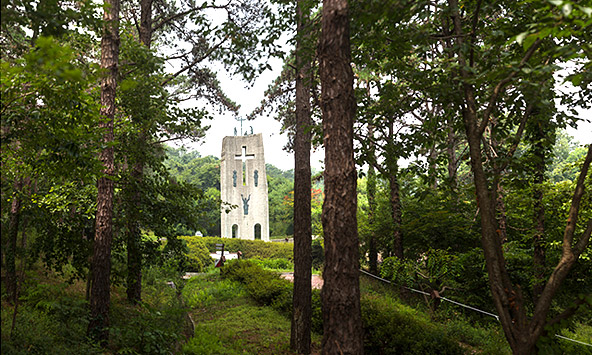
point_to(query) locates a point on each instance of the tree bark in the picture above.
(451, 153)
(134, 237)
(101, 261)
(302, 301)
(539, 213)
(395, 198)
(145, 29)
(371, 191)
(396, 213)
(341, 290)
(500, 208)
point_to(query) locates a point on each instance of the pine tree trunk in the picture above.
(134, 251)
(371, 191)
(133, 238)
(341, 290)
(396, 214)
(395, 199)
(101, 261)
(302, 308)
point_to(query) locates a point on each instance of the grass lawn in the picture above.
(228, 321)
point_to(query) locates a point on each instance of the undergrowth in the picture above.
(52, 318)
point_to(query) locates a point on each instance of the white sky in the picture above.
(250, 97)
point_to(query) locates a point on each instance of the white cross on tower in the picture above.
(244, 157)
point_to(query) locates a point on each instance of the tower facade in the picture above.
(243, 183)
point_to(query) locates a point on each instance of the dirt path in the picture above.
(316, 280)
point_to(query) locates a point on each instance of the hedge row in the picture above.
(389, 327)
(252, 248)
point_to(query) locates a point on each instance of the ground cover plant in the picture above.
(230, 321)
(52, 317)
(390, 326)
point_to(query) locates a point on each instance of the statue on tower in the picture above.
(245, 204)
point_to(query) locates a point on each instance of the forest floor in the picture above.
(224, 319)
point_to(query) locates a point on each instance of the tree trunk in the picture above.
(452, 159)
(341, 290)
(521, 333)
(500, 208)
(13, 227)
(302, 308)
(371, 191)
(133, 240)
(134, 251)
(539, 213)
(395, 199)
(101, 261)
(396, 213)
(145, 28)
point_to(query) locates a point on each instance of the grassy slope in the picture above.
(228, 321)
(52, 319)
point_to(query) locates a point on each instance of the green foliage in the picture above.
(147, 329)
(239, 329)
(391, 328)
(488, 338)
(52, 318)
(198, 293)
(252, 248)
(281, 195)
(203, 173)
(205, 342)
(274, 264)
(317, 254)
(38, 331)
(399, 271)
(198, 256)
(265, 287)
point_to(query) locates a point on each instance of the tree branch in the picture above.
(473, 33)
(499, 88)
(568, 312)
(167, 20)
(583, 242)
(568, 256)
(197, 60)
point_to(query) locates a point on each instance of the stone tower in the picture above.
(243, 182)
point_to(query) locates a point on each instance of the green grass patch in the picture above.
(229, 321)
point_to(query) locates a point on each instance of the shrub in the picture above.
(252, 248)
(274, 264)
(198, 255)
(266, 287)
(38, 331)
(400, 272)
(391, 328)
(318, 254)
